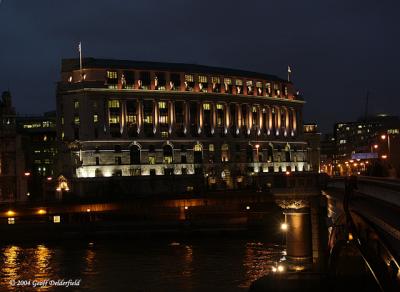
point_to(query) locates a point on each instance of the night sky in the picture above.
(337, 49)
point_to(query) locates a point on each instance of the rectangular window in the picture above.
(62, 120)
(162, 105)
(131, 119)
(215, 80)
(148, 119)
(113, 103)
(76, 104)
(228, 81)
(95, 118)
(163, 119)
(219, 106)
(164, 134)
(239, 82)
(114, 119)
(211, 147)
(206, 106)
(189, 78)
(112, 75)
(76, 120)
(202, 79)
(152, 159)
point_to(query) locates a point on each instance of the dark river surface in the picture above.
(206, 264)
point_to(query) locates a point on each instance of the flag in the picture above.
(289, 69)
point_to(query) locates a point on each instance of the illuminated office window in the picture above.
(239, 82)
(62, 120)
(164, 134)
(76, 120)
(113, 103)
(197, 147)
(95, 118)
(11, 220)
(219, 106)
(162, 105)
(114, 119)
(163, 119)
(228, 81)
(189, 78)
(148, 119)
(206, 106)
(112, 75)
(57, 219)
(152, 159)
(131, 119)
(76, 104)
(211, 147)
(215, 80)
(202, 79)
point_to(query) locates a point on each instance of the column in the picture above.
(227, 118)
(200, 116)
(239, 118)
(260, 120)
(298, 232)
(155, 116)
(123, 118)
(277, 120)
(171, 116)
(213, 117)
(186, 123)
(139, 116)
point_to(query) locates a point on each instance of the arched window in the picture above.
(225, 152)
(198, 153)
(168, 154)
(134, 151)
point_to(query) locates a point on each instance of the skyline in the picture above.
(333, 64)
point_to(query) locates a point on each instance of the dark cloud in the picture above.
(337, 49)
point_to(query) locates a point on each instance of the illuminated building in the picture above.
(13, 176)
(126, 119)
(362, 140)
(40, 146)
(313, 138)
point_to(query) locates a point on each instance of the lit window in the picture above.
(202, 79)
(189, 78)
(197, 147)
(76, 104)
(219, 106)
(164, 134)
(113, 103)
(62, 135)
(11, 220)
(228, 81)
(148, 119)
(162, 105)
(215, 80)
(76, 120)
(211, 147)
(95, 118)
(131, 119)
(152, 159)
(114, 119)
(254, 109)
(57, 219)
(239, 82)
(62, 120)
(163, 119)
(206, 106)
(45, 138)
(258, 84)
(112, 75)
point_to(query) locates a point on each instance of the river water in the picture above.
(207, 264)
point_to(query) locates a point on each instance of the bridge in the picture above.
(363, 243)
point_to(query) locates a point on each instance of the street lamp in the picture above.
(284, 226)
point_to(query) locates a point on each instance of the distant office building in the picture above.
(144, 119)
(365, 142)
(313, 139)
(13, 176)
(38, 135)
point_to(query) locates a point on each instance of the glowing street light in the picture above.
(247, 207)
(376, 146)
(281, 268)
(383, 137)
(384, 156)
(41, 212)
(284, 226)
(27, 173)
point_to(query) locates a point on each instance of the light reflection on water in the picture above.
(147, 265)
